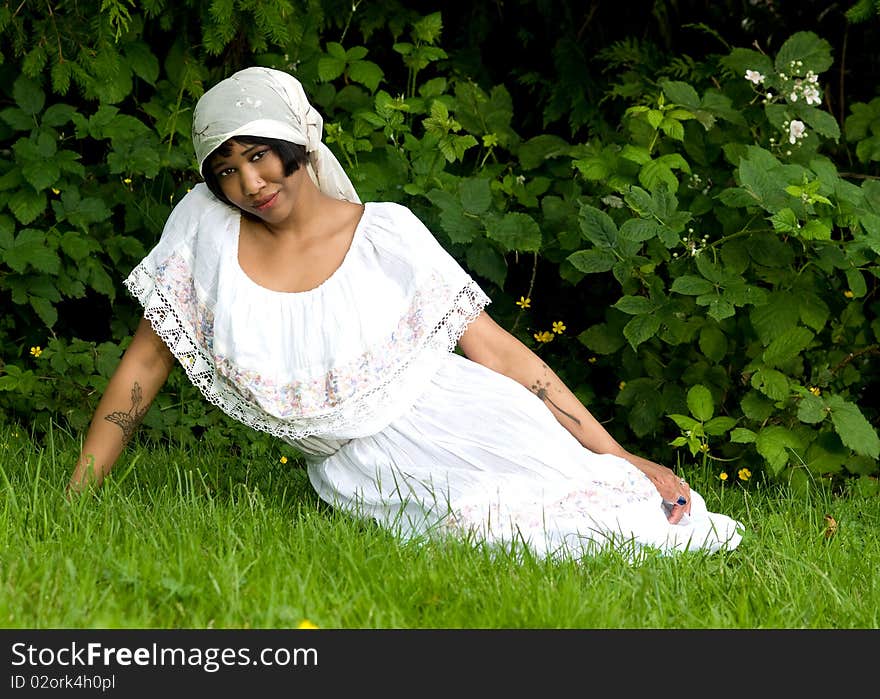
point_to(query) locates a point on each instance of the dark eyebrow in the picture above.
(220, 161)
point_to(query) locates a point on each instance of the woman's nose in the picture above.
(251, 180)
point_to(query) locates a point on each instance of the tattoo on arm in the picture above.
(129, 421)
(542, 391)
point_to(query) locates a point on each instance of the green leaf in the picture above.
(28, 95)
(684, 422)
(756, 407)
(737, 197)
(741, 435)
(533, 152)
(366, 73)
(785, 221)
(816, 229)
(99, 280)
(460, 228)
(814, 311)
(41, 175)
(675, 162)
(516, 231)
(776, 317)
(475, 194)
(807, 47)
(356, 53)
(741, 59)
(30, 248)
(603, 338)
(700, 403)
(775, 443)
(679, 92)
(821, 122)
(487, 262)
(691, 285)
(719, 307)
(330, 68)
(142, 61)
(597, 227)
(336, 50)
(787, 346)
(771, 383)
(656, 174)
(640, 229)
(811, 409)
(856, 282)
(26, 204)
(713, 342)
(57, 115)
(718, 426)
(755, 178)
(75, 245)
(636, 154)
(44, 309)
(641, 328)
(7, 232)
(17, 119)
(852, 427)
(592, 261)
(635, 305)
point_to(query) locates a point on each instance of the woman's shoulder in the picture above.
(393, 219)
(198, 208)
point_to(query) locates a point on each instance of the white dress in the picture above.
(360, 375)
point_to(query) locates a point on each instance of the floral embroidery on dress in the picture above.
(333, 402)
(322, 394)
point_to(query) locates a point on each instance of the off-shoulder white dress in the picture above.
(361, 376)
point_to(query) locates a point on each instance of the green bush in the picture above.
(703, 270)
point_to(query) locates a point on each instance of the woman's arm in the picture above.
(489, 344)
(143, 370)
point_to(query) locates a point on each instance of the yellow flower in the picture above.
(524, 302)
(283, 459)
(621, 385)
(848, 294)
(545, 336)
(559, 327)
(592, 360)
(56, 192)
(306, 624)
(723, 475)
(744, 474)
(127, 180)
(815, 390)
(36, 351)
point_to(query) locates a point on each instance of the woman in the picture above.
(330, 323)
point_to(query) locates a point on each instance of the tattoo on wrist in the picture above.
(129, 421)
(542, 391)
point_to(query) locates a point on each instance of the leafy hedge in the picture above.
(703, 271)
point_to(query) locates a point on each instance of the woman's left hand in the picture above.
(674, 490)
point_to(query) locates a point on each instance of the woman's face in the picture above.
(252, 177)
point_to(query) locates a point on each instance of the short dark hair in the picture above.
(292, 155)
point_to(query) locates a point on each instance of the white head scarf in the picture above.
(270, 103)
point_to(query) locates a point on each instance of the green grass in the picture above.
(200, 539)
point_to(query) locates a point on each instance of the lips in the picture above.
(263, 204)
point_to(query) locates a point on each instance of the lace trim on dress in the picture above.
(170, 305)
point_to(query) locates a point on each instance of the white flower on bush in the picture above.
(754, 77)
(796, 130)
(806, 88)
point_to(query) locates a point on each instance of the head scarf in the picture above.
(270, 103)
